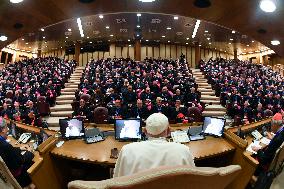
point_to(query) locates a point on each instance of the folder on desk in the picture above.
(195, 133)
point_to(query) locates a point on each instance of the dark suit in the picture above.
(17, 163)
(142, 113)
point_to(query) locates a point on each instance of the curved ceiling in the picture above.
(241, 15)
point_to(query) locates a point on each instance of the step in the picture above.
(68, 89)
(67, 93)
(197, 80)
(53, 122)
(208, 93)
(208, 97)
(201, 89)
(72, 85)
(215, 102)
(64, 107)
(215, 108)
(195, 70)
(61, 102)
(75, 77)
(205, 86)
(65, 97)
(61, 114)
(76, 74)
(74, 81)
(213, 113)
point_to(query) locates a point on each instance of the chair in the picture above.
(181, 177)
(100, 115)
(42, 106)
(7, 180)
(194, 114)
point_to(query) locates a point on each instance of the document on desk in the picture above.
(256, 144)
(180, 136)
(265, 140)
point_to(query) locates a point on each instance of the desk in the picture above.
(100, 152)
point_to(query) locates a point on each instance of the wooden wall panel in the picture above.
(156, 52)
(143, 52)
(124, 52)
(178, 51)
(162, 51)
(150, 52)
(168, 51)
(96, 55)
(131, 52)
(193, 57)
(188, 58)
(173, 52)
(118, 52)
(183, 50)
(101, 55)
(112, 50)
(85, 59)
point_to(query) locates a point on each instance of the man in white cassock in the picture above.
(72, 130)
(155, 152)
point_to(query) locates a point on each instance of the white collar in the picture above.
(160, 139)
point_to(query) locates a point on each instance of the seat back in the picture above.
(194, 114)
(100, 115)
(181, 177)
(7, 180)
(43, 108)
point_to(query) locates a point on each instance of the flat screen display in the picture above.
(213, 126)
(128, 129)
(71, 128)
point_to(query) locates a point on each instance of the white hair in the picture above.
(156, 124)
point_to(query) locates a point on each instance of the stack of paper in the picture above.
(255, 144)
(180, 136)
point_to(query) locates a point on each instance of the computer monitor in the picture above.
(213, 126)
(128, 129)
(71, 128)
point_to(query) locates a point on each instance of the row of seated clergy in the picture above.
(176, 114)
(17, 163)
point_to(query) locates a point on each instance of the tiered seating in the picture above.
(249, 91)
(118, 84)
(30, 86)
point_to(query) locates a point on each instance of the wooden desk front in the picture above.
(100, 152)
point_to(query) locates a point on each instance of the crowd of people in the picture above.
(249, 91)
(132, 89)
(24, 81)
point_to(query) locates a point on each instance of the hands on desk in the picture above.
(26, 147)
(254, 148)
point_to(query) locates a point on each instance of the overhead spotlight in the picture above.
(16, 1)
(199, 45)
(66, 37)
(129, 45)
(146, 1)
(3, 38)
(206, 31)
(186, 43)
(169, 28)
(176, 17)
(43, 37)
(128, 40)
(69, 29)
(30, 47)
(187, 38)
(107, 27)
(275, 42)
(88, 37)
(267, 5)
(169, 41)
(27, 43)
(163, 36)
(81, 48)
(209, 43)
(208, 38)
(230, 43)
(45, 46)
(147, 40)
(252, 41)
(247, 45)
(79, 22)
(101, 16)
(245, 49)
(23, 39)
(111, 35)
(42, 29)
(231, 39)
(138, 26)
(138, 14)
(91, 42)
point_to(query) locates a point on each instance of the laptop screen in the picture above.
(213, 126)
(71, 128)
(128, 129)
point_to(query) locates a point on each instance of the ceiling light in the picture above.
(101, 16)
(206, 31)
(208, 38)
(3, 38)
(163, 36)
(138, 26)
(252, 41)
(30, 47)
(43, 37)
(267, 6)
(108, 40)
(195, 28)
(27, 43)
(199, 45)
(88, 37)
(45, 46)
(79, 22)
(45, 42)
(245, 49)
(23, 39)
(61, 47)
(233, 31)
(16, 1)
(111, 35)
(187, 38)
(169, 28)
(230, 43)
(138, 14)
(275, 42)
(66, 37)
(81, 48)
(146, 1)
(231, 39)
(169, 41)
(107, 27)
(176, 17)
(147, 40)
(210, 43)
(90, 42)
(186, 43)
(69, 29)
(137, 35)
(128, 40)
(42, 29)
(129, 45)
